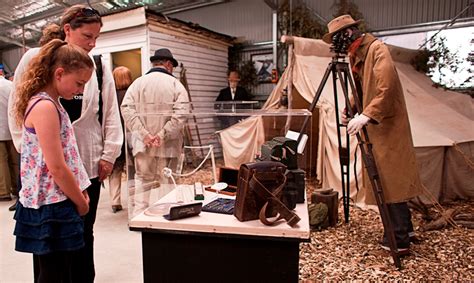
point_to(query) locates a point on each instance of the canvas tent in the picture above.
(441, 122)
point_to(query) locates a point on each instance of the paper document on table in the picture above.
(294, 136)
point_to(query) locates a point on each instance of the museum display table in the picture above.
(215, 247)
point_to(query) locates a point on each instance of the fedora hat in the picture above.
(164, 53)
(338, 24)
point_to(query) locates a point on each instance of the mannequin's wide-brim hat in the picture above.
(164, 53)
(339, 24)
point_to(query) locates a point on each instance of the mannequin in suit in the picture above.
(231, 93)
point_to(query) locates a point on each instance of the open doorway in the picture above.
(130, 59)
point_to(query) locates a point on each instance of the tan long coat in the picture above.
(389, 129)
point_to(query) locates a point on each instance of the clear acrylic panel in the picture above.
(183, 144)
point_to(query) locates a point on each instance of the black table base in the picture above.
(205, 257)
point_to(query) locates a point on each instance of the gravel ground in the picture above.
(351, 251)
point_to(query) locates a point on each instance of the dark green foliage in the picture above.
(343, 7)
(235, 57)
(300, 22)
(248, 75)
(442, 61)
(470, 80)
(442, 65)
(420, 61)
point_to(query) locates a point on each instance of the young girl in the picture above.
(52, 197)
(99, 137)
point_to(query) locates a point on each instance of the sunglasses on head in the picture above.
(87, 12)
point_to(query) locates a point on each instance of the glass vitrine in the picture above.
(200, 147)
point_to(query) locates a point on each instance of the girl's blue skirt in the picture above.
(51, 228)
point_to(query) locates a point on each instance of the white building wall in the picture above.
(411, 40)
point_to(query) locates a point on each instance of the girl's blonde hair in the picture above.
(40, 71)
(122, 77)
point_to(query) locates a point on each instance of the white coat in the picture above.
(146, 109)
(5, 88)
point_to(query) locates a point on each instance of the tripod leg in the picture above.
(343, 151)
(370, 164)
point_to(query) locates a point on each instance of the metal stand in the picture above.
(340, 70)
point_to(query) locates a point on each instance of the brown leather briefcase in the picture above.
(259, 192)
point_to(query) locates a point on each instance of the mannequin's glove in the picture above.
(357, 123)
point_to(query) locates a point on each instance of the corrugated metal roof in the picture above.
(21, 21)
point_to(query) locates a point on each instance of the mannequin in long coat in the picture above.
(388, 127)
(389, 131)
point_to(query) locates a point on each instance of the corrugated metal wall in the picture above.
(252, 19)
(386, 14)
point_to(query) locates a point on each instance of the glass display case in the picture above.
(196, 149)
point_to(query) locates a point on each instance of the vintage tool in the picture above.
(198, 191)
(187, 130)
(184, 211)
(220, 205)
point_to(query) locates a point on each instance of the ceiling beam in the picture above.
(55, 11)
(40, 16)
(186, 7)
(61, 2)
(18, 26)
(12, 41)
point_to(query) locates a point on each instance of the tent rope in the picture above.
(468, 161)
(437, 205)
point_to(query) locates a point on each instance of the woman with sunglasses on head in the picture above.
(99, 142)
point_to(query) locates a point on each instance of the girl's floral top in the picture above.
(38, 186)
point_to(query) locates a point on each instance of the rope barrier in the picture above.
(211, 148)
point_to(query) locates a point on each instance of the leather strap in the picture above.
(284, 213)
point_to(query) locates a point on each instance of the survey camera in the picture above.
(340, 42)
